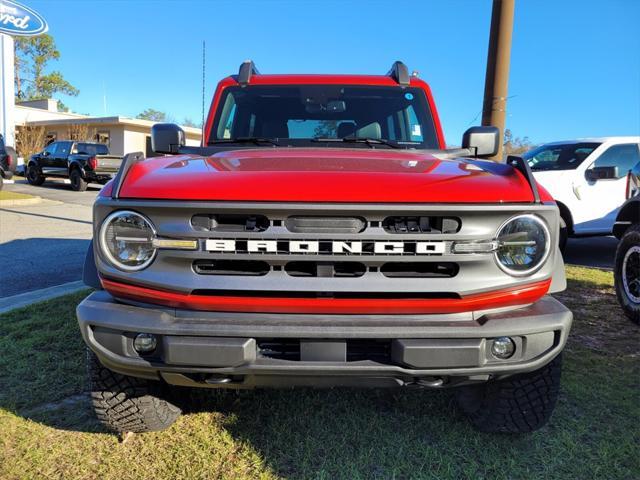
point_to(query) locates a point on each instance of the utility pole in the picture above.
(494, 108)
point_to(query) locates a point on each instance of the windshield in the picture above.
(559, 156)
(296, 115)
(92, 149)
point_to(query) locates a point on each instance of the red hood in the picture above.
(324, 175)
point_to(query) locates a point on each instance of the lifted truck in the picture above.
(81, 162)
(322, 235)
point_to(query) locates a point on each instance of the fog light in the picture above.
(145, 343)
(503, 348)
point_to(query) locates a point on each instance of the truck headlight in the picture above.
(127, 240)
(523, 245)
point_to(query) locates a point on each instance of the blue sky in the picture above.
(575, 66)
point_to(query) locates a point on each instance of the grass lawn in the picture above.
(7, 195)
(47, 429)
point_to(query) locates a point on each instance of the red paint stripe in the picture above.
(520, 295)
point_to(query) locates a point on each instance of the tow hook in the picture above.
(429, 382)
(218, 380)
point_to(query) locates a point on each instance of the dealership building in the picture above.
(122, 134)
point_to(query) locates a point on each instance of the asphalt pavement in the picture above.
(597, 252)
(57, 190)
(44, 245)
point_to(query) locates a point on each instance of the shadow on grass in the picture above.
(341, 433)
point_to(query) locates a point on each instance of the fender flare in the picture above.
(627, 216)
(76, 164)
(565, 213)
(90, 272)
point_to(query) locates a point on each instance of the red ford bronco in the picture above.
(323, 235)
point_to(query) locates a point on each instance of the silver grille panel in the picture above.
(474, 273)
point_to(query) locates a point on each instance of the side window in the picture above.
(226, 117)
(625, 157)
(63, 148)
(51, 148)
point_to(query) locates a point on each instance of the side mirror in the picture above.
(601, 173)
(167, 138)
(45, 153)
(484, 141)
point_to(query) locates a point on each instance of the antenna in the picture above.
(104, 98)
(203, 79)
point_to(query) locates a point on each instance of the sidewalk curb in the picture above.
(20, 202)
(24, 299)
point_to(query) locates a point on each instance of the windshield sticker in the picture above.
(408, 96)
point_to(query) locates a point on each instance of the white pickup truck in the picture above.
(588, 178)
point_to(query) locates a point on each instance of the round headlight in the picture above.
(126, 240)
(523, 245)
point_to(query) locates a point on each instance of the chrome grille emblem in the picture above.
(324, 247)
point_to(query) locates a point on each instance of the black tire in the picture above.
(564, 235)
(519, 404)
(78, 183)
(627, 277)
(34, 176)
(129, 404)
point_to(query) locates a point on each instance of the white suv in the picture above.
(588, 178)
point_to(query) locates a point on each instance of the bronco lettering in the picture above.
(324, 247)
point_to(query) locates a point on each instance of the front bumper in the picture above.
(241, 350)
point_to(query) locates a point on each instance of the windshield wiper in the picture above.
(368, 140)
(256, 140)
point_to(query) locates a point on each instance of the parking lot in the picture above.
(44, 244)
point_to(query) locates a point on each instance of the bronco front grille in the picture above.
(325, 250)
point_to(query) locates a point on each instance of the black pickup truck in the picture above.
(8, 160)
(81, 162)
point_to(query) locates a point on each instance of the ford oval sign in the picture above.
(18, 20)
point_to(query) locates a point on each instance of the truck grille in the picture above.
(425, 266)
(324, 224)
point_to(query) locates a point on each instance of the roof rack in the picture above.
(247, 68)
(400, 73)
